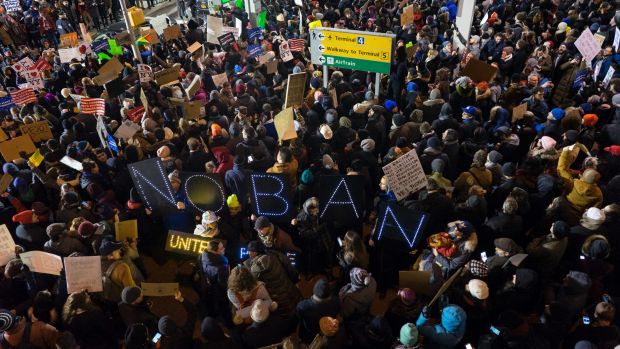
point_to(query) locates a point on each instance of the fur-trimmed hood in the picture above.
(471, 243)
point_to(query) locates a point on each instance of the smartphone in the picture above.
(156, 338)
(483, 256)
(339, 241)
(586, 320)
(495, 330)
(582, 257)
(468, 346)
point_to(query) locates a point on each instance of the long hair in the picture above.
(77, 303)
(241, 279)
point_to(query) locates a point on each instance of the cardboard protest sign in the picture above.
(519, 111)
(407, 16)
(160, 289)
(272, 67)
(38, 131)
(69, 40)
(402, 224)
(478, 70)
(265, 58)
(145, 72)
(123, 38)
(83, 273)
(36, 159)
(405, 175)
(285, 125)
(445, 286)
(10, 149)
(188, 244)
(193, 87)
(219, 79)
(205, 191)
(341, 199)
(126, 130)
(168, 75)
(159, 23)
(68, 54)
(153, 186)
(587, 45)
(191, 110)
(172, 32)
(115, 87)
(5, 181)
(194, 47)
(71, 162)
(226, 40)
(126, 229)
(295, 90)
(42, 262)
(150, 35)
(214, 29)
(7, 245)
(108, 71)
(85, 34)
(271, 195)
(418, 281)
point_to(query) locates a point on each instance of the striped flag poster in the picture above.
(297, 45)
(92, 106)
(23, 96)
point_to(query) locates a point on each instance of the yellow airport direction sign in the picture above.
(350, 49)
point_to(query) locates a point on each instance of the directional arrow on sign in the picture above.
(321, 59)
(321, 36)
(321, 48)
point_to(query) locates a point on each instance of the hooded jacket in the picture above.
(448, 333)
(356, 300)
(268, 269)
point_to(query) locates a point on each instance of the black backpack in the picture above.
(24, 344)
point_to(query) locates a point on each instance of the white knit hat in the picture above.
(260, 311)
(478, 289)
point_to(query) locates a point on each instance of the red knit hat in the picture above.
(589, 120)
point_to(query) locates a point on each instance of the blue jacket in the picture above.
(448, 333)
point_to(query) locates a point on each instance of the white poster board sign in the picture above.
(83, 273)
(126, 130)
(608, 76)
(587, 45)
(405, 175)
(7, 245)
(145, 72)
(42, 262)
(67, 54)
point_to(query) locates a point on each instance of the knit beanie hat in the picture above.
(307, 177)
(232, 201)
(478, 289)
(359, 277)
(345, 122)
(326, 131)
(321, 289)
(130, 294)
(55, 229)
(260, 311)
(547, 142)
(167, 326)
(438, 165)
(86, 229)
(409, 335)
(590, 120)
(407, 296)
(556, 114)
(368, 145)
(590, 176)
(329, 326)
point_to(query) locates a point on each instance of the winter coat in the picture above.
(289, 168)
(270, 331)
(355, 302)
(563, 95)
(138, 314)
(448, 333)
(215, 268)
(465, 247)
(582, 195)
(474, 176)
(310, 311)
(64, 246)
(545, 254)
(409, 130)
(268, 269)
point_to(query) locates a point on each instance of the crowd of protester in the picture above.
(519, 244)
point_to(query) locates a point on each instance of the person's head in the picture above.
(43, 307)
(562, 48)
(248, 133)
(604, 313)
(216, 246)
(284, 155)
(90, 166)
(538, 93)
(131, 295)
(241, 279)
(263, 226)
(409, 335)
(505, 247)
(352, 241)
(111, 250)
(175, 180)
(311, 206)
(498, 38)
(233, 205)
(510, 206)
(383, 184)
(75, 304)
(608, 51)
(559, 230)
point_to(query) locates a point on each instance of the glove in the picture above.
(426, 312)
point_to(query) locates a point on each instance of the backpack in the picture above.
(111, 290)
(24, 344)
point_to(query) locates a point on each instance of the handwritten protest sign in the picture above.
(159, 23)
(161, 289)
(108, 71)
(478, 70)
(168, 75)
(193, 87)
(7, 245)
(126, 229)
(83, 273)
(23, 65)
(407, 16)
(37, 158)
(172, 32)
(42, 262)
(71, 162)
(405, 175)
(38, 131)
(69, 40)
(68, 54)
(295, 90)
(10, 149)
(519, 111)
(145, 72)
(5, 181)
(285, 126)
(587, 45)
(214, 29)
(191, 110)
(127, 130)
(219, 79)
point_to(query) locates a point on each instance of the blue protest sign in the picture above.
(6, 103)
(112, 144)
(254, 33)
(255, 50)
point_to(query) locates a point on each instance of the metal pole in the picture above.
(325, 75)
(377, 84)
(134, 46)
